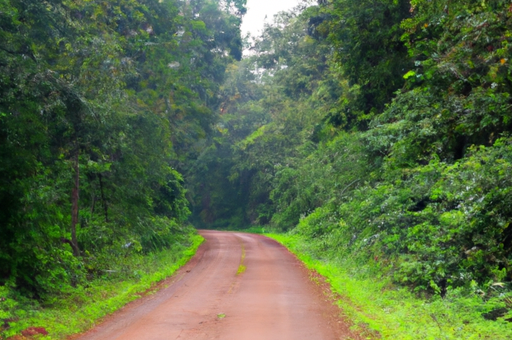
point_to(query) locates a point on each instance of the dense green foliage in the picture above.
(80, 309)
(378, 131)
(378, 309)
(102, 106)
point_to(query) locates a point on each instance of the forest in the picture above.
(376, 132)
(374, 129)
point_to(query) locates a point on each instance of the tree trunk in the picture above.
(93, 203)
(74, 203)
(105, 206)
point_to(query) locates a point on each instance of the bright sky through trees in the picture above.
(258, 9)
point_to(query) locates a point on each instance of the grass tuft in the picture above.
(241, 267)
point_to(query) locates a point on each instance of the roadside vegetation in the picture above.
(79, 308)
(377, 135)
(378, 308)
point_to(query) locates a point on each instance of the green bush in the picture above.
(441, 225)
(118, 280)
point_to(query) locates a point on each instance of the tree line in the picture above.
(102, 106)
(376, 130)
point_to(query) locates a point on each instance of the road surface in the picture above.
(237, 287)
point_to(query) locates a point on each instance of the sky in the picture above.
(257, 9)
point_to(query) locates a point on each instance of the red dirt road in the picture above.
(273, 299)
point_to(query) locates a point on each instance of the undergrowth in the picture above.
(82, 307)
(242, 267)
(380, 309)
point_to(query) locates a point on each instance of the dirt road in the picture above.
(237, 287)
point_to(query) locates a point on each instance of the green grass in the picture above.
(241, 267)
(82, 308)
(380, 309)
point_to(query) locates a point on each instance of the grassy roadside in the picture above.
(384, 311)
(80, 309)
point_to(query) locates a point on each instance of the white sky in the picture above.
(257, 9)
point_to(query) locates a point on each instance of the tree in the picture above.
(366, 38)
(101, 101)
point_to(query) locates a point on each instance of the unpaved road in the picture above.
(273, 299)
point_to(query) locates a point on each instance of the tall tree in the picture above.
(366, 38)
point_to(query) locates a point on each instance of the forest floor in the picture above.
(237, 286)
